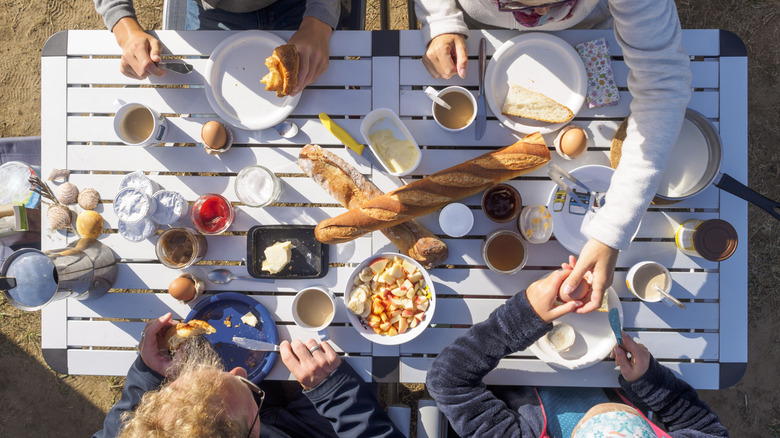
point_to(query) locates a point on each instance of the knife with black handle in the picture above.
(481, 110)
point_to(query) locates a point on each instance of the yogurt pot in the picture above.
(132, 205)
(456, 219)
(535, 224)
(170, 207)
(391, 142)
(137, 231)
(139, 181)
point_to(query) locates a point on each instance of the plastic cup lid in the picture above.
(456, 219)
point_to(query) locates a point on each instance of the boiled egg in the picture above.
(182, 288)
(571, 142)
(213, 134)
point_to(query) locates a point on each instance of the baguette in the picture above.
(351, 189)
(522, 102)
(435, 191)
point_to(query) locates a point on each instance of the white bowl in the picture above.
(362, 326)
(381, 119)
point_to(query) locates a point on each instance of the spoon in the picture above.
(671, 298)
(287, 129)
(431, 92)
(223, 276)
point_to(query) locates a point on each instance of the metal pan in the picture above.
(695, 165)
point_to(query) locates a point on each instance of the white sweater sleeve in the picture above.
(659, 81)
(439, 17)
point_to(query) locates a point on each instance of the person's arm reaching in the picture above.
(444, 32)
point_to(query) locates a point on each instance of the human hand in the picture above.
(140, 51)
(598, 258)
(309, 367)
(312, 42)
(152, 346)
(543, 293)
(634, 368)
(446, 56)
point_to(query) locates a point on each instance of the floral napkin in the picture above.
(602, 90)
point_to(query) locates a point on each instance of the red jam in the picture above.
(212, 214)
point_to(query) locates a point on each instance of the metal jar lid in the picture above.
(715, 239)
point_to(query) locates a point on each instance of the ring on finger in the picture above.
(314, 348)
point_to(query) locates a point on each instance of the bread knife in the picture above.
(481, 110)
(341, 134)
(253, 344)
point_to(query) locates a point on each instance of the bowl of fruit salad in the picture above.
(390, 299)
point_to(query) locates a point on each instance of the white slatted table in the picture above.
(705, 344)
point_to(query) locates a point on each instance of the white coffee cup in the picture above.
(463, 112)
(640, 279)
(138, 125)
(313, 308)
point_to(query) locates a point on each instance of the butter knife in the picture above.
(176, 67)
(481, 110)
(614, 322)
(253, 344)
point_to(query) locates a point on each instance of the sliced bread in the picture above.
(522, 102)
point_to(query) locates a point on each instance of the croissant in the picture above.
(283, 70)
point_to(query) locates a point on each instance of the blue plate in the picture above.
(216, 309)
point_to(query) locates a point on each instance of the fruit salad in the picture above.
(390, 295)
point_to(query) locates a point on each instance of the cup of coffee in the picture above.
(463, 109)
(504, 252)
(643, 277)
(313, 308)
(138, 125)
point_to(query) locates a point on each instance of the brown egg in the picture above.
(571, 142)
(214, 135)
(182, 289)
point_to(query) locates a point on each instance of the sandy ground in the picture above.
(38, 401)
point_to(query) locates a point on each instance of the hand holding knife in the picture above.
(175, 66)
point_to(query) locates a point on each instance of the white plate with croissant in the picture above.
(233, 86)
(538, 63)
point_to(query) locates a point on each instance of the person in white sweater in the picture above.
(649, 33)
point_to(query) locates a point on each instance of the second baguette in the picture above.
(435, 191)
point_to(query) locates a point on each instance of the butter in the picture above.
(277, 256)
(249, 319)
(399, 155)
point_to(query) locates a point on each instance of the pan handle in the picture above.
(7, 283)
(740, 190)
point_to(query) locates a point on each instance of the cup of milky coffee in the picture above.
(138, 125)
(313, 308)
(643, 277)
(462, 112)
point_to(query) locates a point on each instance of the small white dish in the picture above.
(385, 119)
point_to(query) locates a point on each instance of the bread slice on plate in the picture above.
(522, 102)
(176, 335)
(283, 67)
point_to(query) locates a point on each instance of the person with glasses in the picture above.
(192, 395)
(455, 381)
(659, 80)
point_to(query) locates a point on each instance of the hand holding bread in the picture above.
(435, 191)
(283, 67)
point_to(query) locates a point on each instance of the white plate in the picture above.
(233, 85)
(595, 339)
(570, 218)
(363, 328)
(539, 62)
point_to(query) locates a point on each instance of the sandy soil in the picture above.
(37, 401)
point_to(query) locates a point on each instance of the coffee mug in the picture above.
(643, 275)
(138, 125)
(313, 309)
(463, 109)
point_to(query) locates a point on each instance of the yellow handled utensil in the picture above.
(341, 134)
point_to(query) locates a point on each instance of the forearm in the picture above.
(439, 17)
(659, 81)
(327, 11)
(114, 10)
(347, 402)
(676, 404)
(455, 378)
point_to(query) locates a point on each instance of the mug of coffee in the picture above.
(138, 125)
(643, 277)
(313, 309)
(462, 112)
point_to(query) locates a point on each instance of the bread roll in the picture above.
(283, 67)
(176, 335)
(435, 191)
(522, 102)
(351, 189)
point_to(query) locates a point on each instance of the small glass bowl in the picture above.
(208, 200)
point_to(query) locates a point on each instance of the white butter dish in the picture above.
(385, 134)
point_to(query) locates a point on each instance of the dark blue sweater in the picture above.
(343, 399)
(455, 382)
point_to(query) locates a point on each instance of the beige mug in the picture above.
(313, 309)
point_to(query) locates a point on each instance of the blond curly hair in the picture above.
(195, 409)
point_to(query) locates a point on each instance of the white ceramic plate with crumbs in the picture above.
(233, 86)
(593, 342)
(539, 62)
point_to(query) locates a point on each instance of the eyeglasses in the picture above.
(255, 389)
(514, 6)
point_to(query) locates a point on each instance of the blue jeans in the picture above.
(281, 15)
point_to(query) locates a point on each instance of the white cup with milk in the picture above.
(138, 125)
(313, 309)
(643, 277)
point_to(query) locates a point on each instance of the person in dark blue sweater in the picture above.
(455, 382)
(192, 395)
